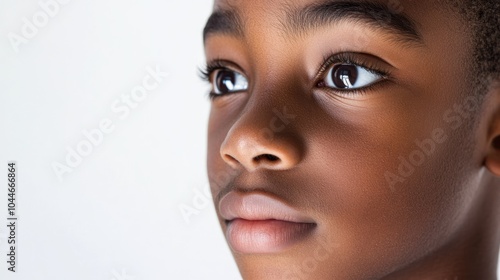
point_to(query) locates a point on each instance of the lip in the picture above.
(259, 223)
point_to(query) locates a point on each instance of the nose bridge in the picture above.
(265, 134)
(274, 96)
(264, 116)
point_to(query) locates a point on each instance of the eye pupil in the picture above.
(344, 75)
(225, 81)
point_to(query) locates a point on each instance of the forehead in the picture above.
(394, 5)
(405, 19)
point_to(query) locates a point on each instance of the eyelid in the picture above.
(214, 65)
(367, 61)
(217, 64)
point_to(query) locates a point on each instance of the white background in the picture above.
(116, 215)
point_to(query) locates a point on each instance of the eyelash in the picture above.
(207, 71)
(328, 61)
(349, 58)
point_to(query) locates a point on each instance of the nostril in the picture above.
(230, 158)
(268, 157)
(271, 157)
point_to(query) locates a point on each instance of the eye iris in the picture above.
(344, 75)
(225, 81)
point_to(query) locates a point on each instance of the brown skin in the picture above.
(441, 222)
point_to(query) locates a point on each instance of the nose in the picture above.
(263, 138)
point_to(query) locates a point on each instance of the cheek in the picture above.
(391, 178)
(220, 122)
(215, 164)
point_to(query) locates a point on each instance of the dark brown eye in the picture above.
(350, 76)
(344, 75)
(228, 81)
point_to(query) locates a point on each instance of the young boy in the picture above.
(356, 139)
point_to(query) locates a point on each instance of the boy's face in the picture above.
(357, 118)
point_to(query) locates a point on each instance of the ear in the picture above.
(492, 160)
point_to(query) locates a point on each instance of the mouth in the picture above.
(258, 223)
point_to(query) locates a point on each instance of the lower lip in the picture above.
(265, 236)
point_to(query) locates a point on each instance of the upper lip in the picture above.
(258, 206)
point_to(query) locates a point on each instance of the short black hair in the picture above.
(483, 17)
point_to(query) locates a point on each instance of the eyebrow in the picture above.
(375, 15)
(226, 22)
